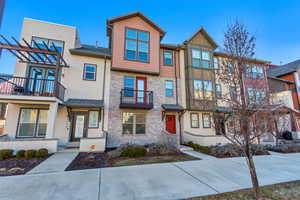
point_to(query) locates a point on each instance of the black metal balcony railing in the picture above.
(136, 99)
(12, 85)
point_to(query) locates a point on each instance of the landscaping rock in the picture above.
(161, 149)
(15, 170)
(2, 170)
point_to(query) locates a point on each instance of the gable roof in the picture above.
(206, 35)
(110, 21)
(92, 51)
(284, 69)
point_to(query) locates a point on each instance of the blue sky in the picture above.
(275, 23)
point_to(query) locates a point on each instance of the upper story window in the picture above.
(203, 89)
(256, 95)
(136, 45)
(168, 58)
(216, 63)
(218, 91)
(201, 58)
(169, 88)
(255, 72)
(89, 72)
(230, 66)
(38, 42)
(233, 93)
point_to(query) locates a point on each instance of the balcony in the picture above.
(136, 99)
(22, 86)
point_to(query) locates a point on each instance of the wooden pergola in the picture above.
(26, 53)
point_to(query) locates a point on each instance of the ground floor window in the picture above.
(134, 123)
(194, 120)
(32, 122)
(206, 120)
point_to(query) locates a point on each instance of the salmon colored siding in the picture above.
(118, 46)
(167, 70)
(291, 77)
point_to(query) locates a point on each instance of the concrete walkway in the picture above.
(178, 180)
(199, 155)
(56, 163)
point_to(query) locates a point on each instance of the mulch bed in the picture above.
(231, 156)
(20, 165)
(101, 160)
(89, 161)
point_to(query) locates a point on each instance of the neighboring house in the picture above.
(144, 98)
(289, 72)
(138, 90)
(48, 107)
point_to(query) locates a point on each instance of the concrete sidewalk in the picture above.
(56, 163)
(178, 180)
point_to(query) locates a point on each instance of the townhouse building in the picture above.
(137, 90)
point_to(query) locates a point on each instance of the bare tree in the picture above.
(246, 96)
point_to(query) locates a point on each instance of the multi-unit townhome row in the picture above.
(138, 90)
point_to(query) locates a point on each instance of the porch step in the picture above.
(185, 148)
(72, 145)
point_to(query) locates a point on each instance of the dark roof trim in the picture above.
(204, 32)
(84, 103)
(134, 14)
(172, 107)
(169, 46)
(91, 51)
(280, 79)
(133, 71)
(225, 55)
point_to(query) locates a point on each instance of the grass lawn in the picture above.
(125, 161)
(283, 191)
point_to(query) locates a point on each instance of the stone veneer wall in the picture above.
(154, 123)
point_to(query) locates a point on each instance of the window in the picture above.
(89, 72)
(216, 63)
(128, 86)
(136, 45)
(198, 89)
(256, 95)
(40, 42)
(230, 66)
(207, 89)
(32, 123)
(255, 72)
(169, 88)
(205, 59)
(134, 123)
(203, 89)
(194, 120)
(93, 119)
(218, 91)
(233, 93)
(168, 58)
(206, 121)
(200, 58)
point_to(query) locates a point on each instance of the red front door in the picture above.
(141, 87)
(171, 123)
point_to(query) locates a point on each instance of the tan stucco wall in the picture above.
(71, 78)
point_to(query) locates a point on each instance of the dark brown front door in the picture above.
(171, 123)
(79, 125)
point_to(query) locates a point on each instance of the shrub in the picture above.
(42, 153)
(198, 147)
(5, 154)
(161, 149)
(20, 154)
(228, 150)
(134, 151)
(30, 153)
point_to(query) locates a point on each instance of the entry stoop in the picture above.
(185, 148)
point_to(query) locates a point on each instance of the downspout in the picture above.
(103, 88)
(179, 113)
